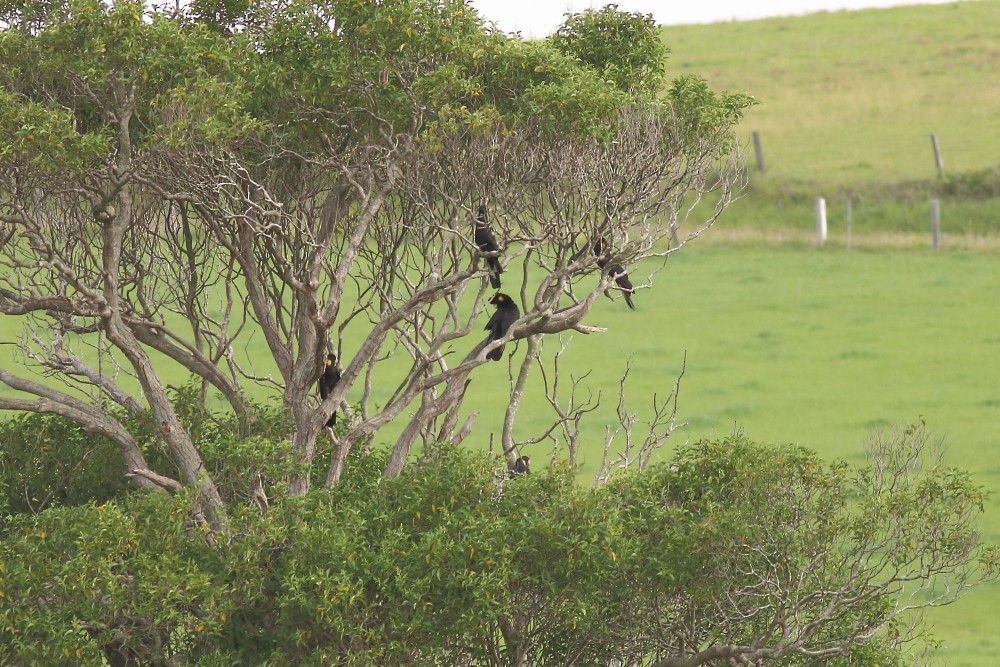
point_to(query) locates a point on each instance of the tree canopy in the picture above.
(307, 172)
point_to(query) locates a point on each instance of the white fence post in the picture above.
(820, 221)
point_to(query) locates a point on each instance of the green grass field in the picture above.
(814, 347)
(852, 97)
(819, 348)
(822, 347)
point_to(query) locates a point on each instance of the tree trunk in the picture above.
(339, 458)
(303, 440)
(513, 631)
(182, 449)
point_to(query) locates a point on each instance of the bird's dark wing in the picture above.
(626, 286)
(599, 248)
(504, 316)
(493, 324)
(621, 278)
(485, 239)
(511, 313)
(327, 381)
(495, 354)
(496, 328)
(486, 242)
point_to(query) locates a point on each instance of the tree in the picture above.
(624, 47)
(173, 182)
(309, 171)
(81, 233)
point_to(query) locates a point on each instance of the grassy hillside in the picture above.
(821, 347)
(848, 98)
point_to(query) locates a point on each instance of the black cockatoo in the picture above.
(327, 381)
(506, 314)
(520, 466)
(615, 271)
(486, 242)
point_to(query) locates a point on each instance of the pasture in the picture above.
(849, 98)
(821, 348)
(791, 344)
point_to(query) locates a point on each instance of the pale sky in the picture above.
(538, 18)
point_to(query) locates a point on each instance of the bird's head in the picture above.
(331, 359)
(482, 211)
(500, 299)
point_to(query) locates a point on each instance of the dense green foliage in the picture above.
(625, 48)
(454, 563)
(49, 460)
(52, 461)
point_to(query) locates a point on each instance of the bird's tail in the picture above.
(493, 264)
(496, 354)
(628, 300)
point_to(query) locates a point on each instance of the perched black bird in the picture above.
(506, 314)
(327, 381)
(520, 467)
(486, 242)
(615, 271)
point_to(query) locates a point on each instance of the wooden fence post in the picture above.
(935, 223)
(820, 221)
(758, 152)
(938, 160)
